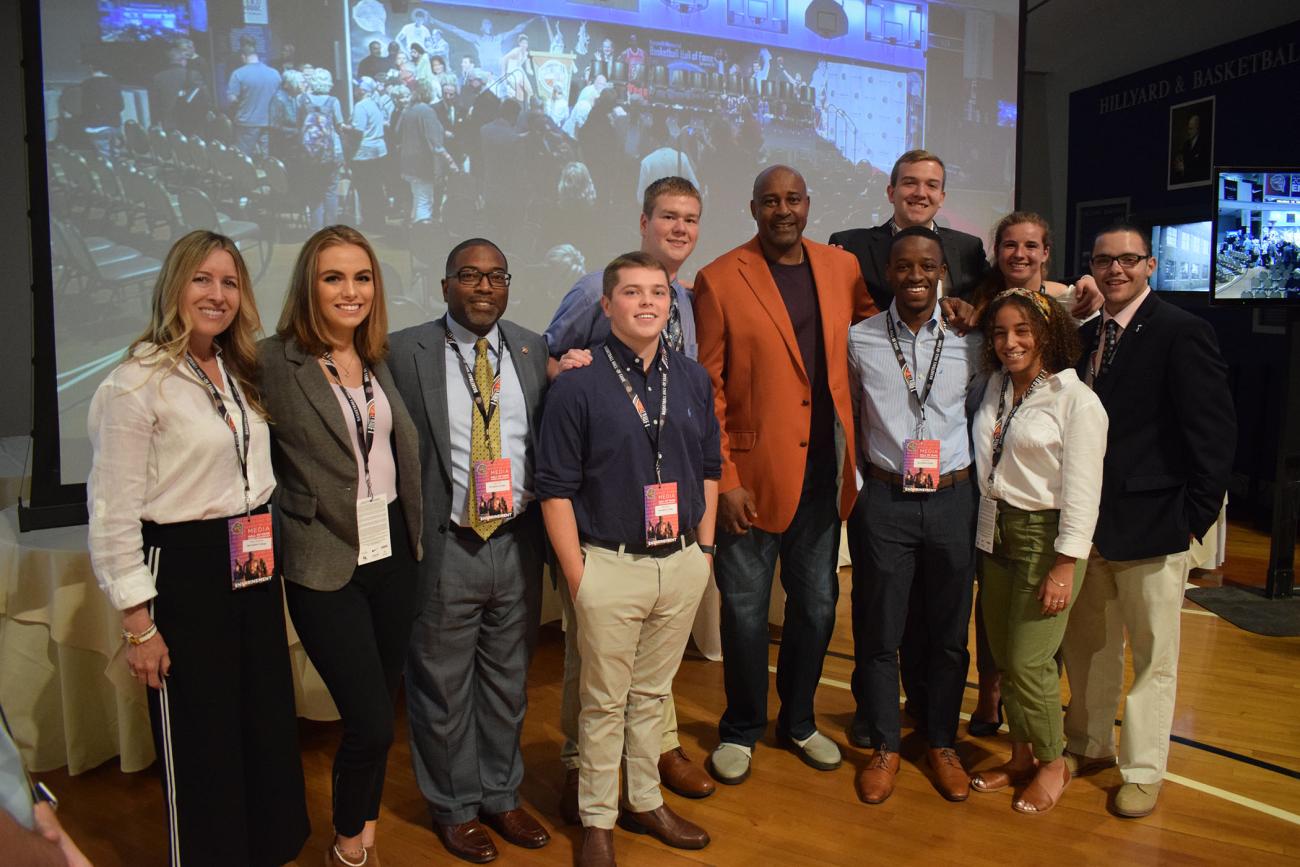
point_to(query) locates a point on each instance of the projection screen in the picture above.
(152, 126)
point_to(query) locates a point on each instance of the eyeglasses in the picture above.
(471, 277)
(1126, 260)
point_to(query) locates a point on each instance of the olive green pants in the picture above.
(1024, 640)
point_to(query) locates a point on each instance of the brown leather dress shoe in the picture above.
(518, 826)
(951, 778)
(597, 848)
(569, 798)
(468, 840)
(667, 826)
(875, 782)
(682, 777)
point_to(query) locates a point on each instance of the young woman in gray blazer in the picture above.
(346, 458)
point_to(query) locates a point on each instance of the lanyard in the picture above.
(220, 404)
(1002, 425)
(908, 378)
(366, 435)
(490, 407)
(653, 431)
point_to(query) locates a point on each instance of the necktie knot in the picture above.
(480, 347)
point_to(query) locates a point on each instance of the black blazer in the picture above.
(1173, 432)
(967, 263)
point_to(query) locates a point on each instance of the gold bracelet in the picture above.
(135, 640)
(1054, 581)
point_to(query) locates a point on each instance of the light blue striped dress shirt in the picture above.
(460, 409)
(884, 411)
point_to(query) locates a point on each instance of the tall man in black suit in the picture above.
(916, 190)
(473, 383)
(1169, 450)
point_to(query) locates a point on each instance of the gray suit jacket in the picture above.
(419, 363)
(316, 467)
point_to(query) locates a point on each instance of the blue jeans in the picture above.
(808, 550)
(913, 564)
(253, 140)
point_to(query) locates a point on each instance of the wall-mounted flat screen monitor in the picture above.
(1182, 252)
(1256, 234)
(143, 21)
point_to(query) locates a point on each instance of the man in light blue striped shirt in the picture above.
(912, 379)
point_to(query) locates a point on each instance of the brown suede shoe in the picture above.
(597, 848)
(569, 798)
(468, 840)
(517, 826)
(951, 778)
(875, 782)
(682, 777)
(667, 826)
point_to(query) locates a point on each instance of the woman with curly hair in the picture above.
(1022, 251)
(179, 533)
(1040, 437)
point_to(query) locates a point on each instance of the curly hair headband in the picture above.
(1042, 303)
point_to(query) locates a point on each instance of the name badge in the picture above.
(373, 537)
(493, 489)
(920, 466)
(662, 525)
(986, 526)
(252, 551)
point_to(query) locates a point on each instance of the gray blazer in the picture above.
(316, 466)
(418, 359)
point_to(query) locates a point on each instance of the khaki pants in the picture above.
(634, 616)
(1141, 600)
(569, 699)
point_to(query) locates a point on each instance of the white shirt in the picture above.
(460, 409)
(1051, 457)
(161, 453)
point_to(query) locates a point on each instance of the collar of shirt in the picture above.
(1125, 316)
(894, 229)
(935, 320)
(629, 359)
(466, 338)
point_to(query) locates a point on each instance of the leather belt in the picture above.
(667, 549)
(945, 481)
(468, 534)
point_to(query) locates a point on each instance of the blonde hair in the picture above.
(168, 331)
(300, 320)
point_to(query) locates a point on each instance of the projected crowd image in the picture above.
(535, 124)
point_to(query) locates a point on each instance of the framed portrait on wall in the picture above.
(1191, 143)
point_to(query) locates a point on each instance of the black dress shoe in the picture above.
(980, 728)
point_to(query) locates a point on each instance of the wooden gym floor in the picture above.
(1232, 795)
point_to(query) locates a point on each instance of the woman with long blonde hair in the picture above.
(348, 459)
(180, 542)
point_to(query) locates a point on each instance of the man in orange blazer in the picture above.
(772, 319)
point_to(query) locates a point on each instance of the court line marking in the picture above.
(1196, 785)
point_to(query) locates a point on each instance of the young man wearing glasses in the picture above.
(1169, 450)
(477, 382)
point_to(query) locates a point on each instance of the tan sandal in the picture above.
(1035, 801)
(1002, 777)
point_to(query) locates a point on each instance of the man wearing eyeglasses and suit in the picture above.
(1169, 450)
(473, 383)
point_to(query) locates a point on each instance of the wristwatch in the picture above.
(709, 549)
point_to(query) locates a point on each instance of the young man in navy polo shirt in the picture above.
(630, 444)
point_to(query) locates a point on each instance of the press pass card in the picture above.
(920, 465)
(661, 521)
(252, 552)
(493, 489)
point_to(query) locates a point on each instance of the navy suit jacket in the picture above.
(1172, 434)
(967, 263)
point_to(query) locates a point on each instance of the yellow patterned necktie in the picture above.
(482, 447)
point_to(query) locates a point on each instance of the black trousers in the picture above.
(913, 562)
(223, 723)
(356, 637)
